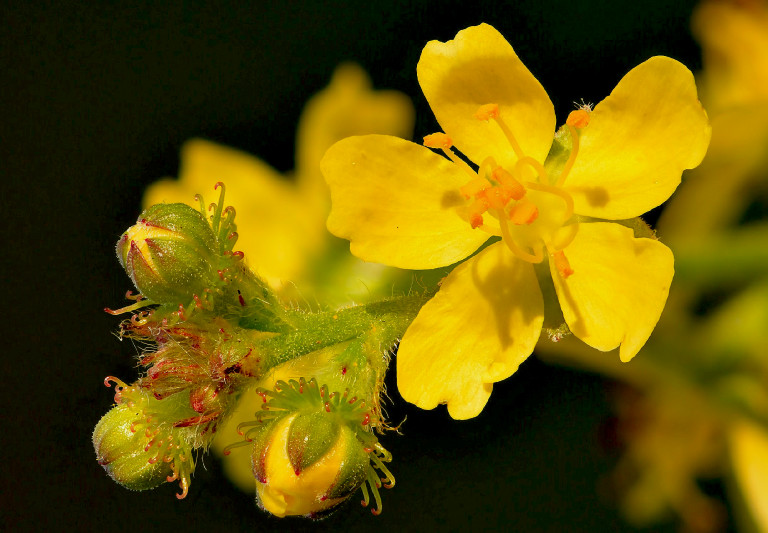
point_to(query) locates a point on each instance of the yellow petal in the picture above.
(483, 322)
(348, 106)
(618, 289)
(638, 142)
(395, 201)
(480, 67)
(749, 453)
(277, 234)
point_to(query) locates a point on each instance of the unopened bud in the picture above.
(120, 446)
(138, 449)
(306, 464)
(169, 253)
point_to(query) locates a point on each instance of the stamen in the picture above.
(537, 257)
(557, 192)
(487, 112)
(474, 187)
(438, 140)
(562, 242)
(508, 181)
(571, 157)
(578, 118)
(491, 111)
(497, 197)
(562, 264)
(523, 213)
(444, 143)
(476, 210)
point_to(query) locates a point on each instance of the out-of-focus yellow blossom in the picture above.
(734, 89)
(749, 456)
(403, 205)
(734, 40)
(283, 220)
(672, 436)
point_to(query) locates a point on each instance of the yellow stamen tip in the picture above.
(497, 197)
(510, 184)
(438, 140)
(474, 187)
(523, 213)
(578, 119)
(562, 264)
(487, 112)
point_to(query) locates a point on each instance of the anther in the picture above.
(497, 197)
(515, 188)
(438, 140)
(474, 187)
(562, 264)
(578, 118)
(523, 213)
(487, 112)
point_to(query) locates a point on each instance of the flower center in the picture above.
(522, 205)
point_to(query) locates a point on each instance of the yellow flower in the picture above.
(403, 205)
(283, 222)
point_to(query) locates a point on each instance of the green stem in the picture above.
(388, 318)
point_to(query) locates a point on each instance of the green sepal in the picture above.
(261, 436)
(354, 468)
(310, 437)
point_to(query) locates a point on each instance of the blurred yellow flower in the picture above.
(749, 459)
(734, 39)
(283, 220)
(403, 205)
(734, 88)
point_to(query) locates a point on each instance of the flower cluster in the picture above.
(214, 329)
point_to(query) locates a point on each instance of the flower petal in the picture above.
(348, 106)
(618, 289)
(638, 142)
(483, 322)
(396, 203)
(480, 67)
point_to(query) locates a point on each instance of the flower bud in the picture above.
(120, 450)
(169, 253)
(137, 447)
(307, 463)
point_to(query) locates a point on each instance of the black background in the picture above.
(97, 101)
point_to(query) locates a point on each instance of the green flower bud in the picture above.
(135, 448)
(120, 450)
(169, 253)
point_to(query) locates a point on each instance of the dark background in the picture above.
(97, 101)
